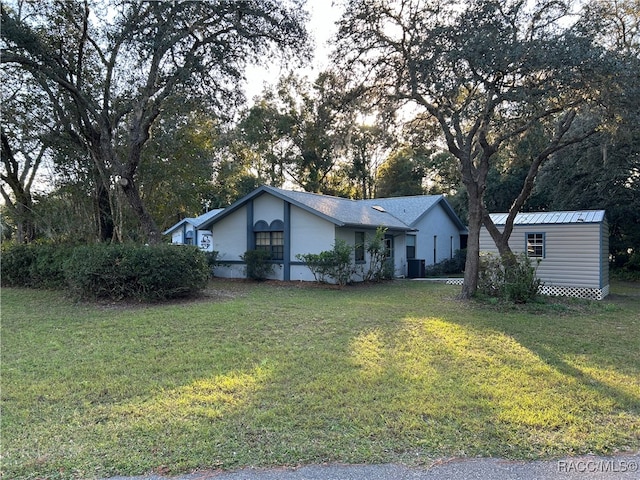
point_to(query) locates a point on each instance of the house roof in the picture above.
(413, 208)
(344, 211)
(339, 211)
(576, 216)
(197, 222)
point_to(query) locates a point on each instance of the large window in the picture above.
(359, 247)
(411, 246)
(270, 238)
(535, 245)
(272, 242)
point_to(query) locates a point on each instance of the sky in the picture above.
(323, 15)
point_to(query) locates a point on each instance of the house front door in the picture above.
(389, 252)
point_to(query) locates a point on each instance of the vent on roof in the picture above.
(379, 208)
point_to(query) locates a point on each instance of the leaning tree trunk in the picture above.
(148, 225)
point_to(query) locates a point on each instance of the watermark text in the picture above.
(597, 466)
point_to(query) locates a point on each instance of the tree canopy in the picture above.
(136, 109)
(491, 73)
(109, 69)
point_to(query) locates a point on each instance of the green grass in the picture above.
(272, 374)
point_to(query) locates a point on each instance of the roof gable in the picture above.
(339, 211)
(413, 208)
(197, 222)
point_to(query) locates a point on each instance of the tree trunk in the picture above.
(472, 264)
(25, 224)
(149, 227)
(501, 239)
(103, 210)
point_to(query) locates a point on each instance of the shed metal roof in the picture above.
(539, 218)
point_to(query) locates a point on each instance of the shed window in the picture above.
(359, 249)
(535, 245)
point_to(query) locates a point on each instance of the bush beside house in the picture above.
(145, 273)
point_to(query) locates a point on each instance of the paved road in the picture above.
(621, 467)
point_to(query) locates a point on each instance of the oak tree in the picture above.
(489, 72)
(109, 67)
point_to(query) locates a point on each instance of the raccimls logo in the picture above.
(597, 466)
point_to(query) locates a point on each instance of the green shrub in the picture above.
(258, 264)
(512, 278)
(36, 265)
(48, 269)
(335, 263)
(448, 266)
(380, 268)
(212, 260)
(633, 264)
(17, 262)
(146, 273)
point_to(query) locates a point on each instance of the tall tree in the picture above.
(26, 135)
(402, 173)
(489, 72)
(367, 146)
(298, 131)
(110, 67)
(319, 119)
(176, 171)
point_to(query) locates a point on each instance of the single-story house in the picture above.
(572, 249)
(189, 231)
(290, 223)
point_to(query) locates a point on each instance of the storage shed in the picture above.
(572, 248)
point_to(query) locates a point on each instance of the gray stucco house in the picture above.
(288, 223)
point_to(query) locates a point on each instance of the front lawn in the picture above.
(287, 374)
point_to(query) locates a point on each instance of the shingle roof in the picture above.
(342, 211)
(411, 209)
(407, 209)
(196, 222)
(399, 213)
(577, 216)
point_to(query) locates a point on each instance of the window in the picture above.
(411, 246)
(535, 245)
(435, 249)
(270, 238)
(272, 242)
(359, 250)
(388, 246)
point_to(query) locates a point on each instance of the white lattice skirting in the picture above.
(577, 292)
(559, 291)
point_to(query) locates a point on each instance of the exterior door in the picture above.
(389, 252)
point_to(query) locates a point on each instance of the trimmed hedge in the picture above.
(34, 265)
(116, 272)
